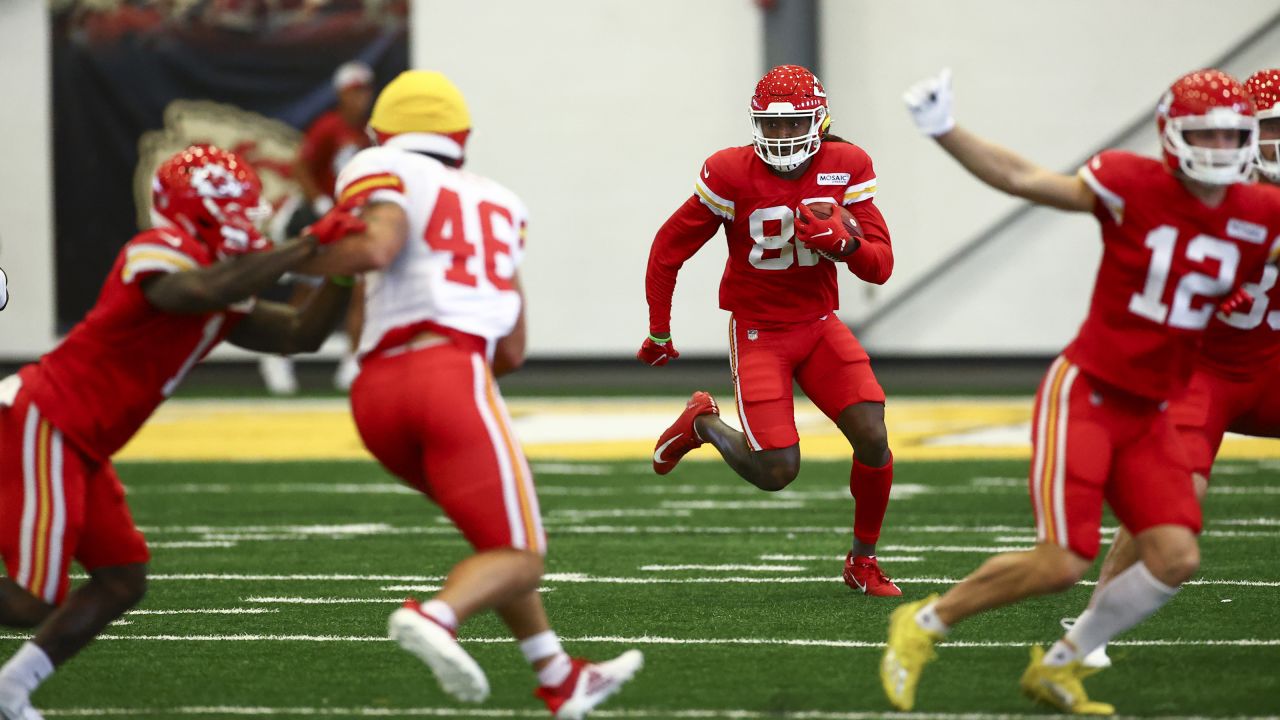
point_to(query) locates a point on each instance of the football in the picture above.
(823, 210)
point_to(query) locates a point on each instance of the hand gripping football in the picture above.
(823, 211)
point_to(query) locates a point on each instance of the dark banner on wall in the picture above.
(134, 80)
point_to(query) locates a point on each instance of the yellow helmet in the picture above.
(420, 101)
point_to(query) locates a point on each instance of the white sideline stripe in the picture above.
(207, 611)
(659, 640)
(909, 548)
(750, 568)
(840, 558)
(505, 713)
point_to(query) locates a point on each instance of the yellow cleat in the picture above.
(1061, 686)
(909, 649)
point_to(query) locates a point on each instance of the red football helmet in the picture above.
(214, 195)
(1207, 100)
(1264, 87)
(789, 91)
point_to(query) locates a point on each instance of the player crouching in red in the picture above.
(780, 286)
(174, 292)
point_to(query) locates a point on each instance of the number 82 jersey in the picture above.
(1168, 260)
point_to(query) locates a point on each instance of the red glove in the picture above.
(657, 352)
(827, 236)
(1237, 301)
(335, 225)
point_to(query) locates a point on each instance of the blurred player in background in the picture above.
(444, 315)
(329, 143)
(174, 293)
(1236, 384)
(780, 286)
(1178, 236)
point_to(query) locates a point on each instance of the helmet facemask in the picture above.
(1269, 167)
(787, 153)
(1213, 166)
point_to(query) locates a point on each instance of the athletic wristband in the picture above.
(342, 280)
(660, 341)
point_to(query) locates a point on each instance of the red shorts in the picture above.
(1212, 404)
(435, 419)
(1090, 443)
(56, 503)
(822, 356)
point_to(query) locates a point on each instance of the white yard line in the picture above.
(657, 640)
(639, 714)
(723, 568)
(207, 611)
(326, 600)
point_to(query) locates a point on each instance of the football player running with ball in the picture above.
(780, 286)
(174, 293)
(444, 314)
(1236, 384)
(1178, 236)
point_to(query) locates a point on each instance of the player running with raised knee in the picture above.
(444, 314)
(1236, 384)
(1178, 236)
(780, 286)
(174, 293)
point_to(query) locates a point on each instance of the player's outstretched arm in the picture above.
(284, 330)
(930, 104)
(227, 282)
(682, 235)
(386, 230)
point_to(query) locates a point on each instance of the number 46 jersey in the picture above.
(458, 266)
(1167, 261)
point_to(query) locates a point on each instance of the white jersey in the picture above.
(466, 239)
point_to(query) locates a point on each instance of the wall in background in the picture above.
(600, 114)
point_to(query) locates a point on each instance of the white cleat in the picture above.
(19, 710)
(345, 375)
(277, 374)
(590, 684)
(454, 668)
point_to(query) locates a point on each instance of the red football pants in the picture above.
(1212, 404)
(822, 356)
(1091, 442)
(56, 504)
(435, 419)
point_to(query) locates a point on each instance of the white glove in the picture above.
(321, 205)
(929, 102)
(4, 289)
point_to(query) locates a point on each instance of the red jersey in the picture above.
(327, 146)
(110, 372)
(1247, 342)
(1167, 261)
(768, 276)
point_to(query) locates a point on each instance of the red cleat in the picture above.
(680, 438)
(863, 573)
(589, 684)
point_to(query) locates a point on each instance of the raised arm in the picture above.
(930, 104)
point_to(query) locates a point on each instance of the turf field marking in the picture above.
(327, 600)
(511, 713)
(657, 640)
(733, 504)
(614, 513)
(551, 468)
(193, 544)
(722, 568)
(207, 611)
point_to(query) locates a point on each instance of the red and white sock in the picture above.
(541, 647)
(442, 614)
